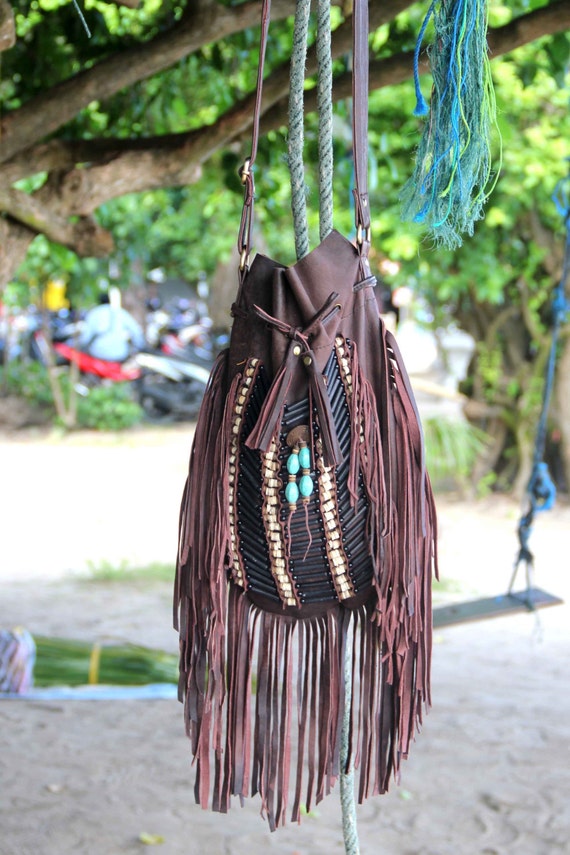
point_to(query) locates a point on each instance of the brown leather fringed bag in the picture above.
(307, 527)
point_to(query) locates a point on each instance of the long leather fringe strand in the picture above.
(264, 692)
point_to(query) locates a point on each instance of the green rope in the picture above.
(299, 210)
(347, 800)
(324, 104)
(296, 123)
(296, 128)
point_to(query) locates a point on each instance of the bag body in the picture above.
(307, 540)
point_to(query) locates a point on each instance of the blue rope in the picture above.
(541, 490)
(422, 108)
(82, 18)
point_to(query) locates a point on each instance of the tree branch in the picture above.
(549, 19)
(7, 26)
(175, 160)
(116, 167)
(197, 144)
(51, 110)
(85, 235)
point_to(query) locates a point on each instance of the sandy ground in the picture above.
(489, 775)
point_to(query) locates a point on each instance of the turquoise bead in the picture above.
(305, 457)
(292, 492)
(306, 486)
(293, 464)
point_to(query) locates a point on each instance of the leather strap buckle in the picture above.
(362, 235)
(245, 170)
(244, 259)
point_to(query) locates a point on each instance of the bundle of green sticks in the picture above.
(68, 662)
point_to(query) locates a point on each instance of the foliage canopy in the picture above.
(120, 152)
(158, 99)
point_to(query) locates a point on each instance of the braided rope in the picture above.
(296, 123)
(347, 799)
(324, 104)
(296, 127)
(299, 210)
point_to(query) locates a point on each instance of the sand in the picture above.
(488, 775)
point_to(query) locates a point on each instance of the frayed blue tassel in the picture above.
(422, 108)
(450, 183)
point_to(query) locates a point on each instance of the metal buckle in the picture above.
(362, 235)
(245, 170)
(243, 259)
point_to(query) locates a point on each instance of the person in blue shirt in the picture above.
(109, 332)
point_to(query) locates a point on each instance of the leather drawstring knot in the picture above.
(298, 352)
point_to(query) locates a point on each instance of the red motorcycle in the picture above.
(118, 372)
(167, 388)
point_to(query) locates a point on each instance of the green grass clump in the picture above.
(107, 571)
(452, 448)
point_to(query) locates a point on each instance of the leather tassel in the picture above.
(201, 583)
(272, 410)
(299, 353)
(332, 454)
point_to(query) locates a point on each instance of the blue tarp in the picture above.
(154, 691)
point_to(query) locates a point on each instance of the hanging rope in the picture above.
(296, 127)
(324, 104)
(82, 18)
(347, 800)
(296, 123)
(541, 490)
(299, 210)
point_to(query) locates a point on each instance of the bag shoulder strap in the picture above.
(360, 84)
(359, 134)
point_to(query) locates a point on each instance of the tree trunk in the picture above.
(223, 288)
(486, 462)
(14, 242)
(525, 453)
(7, 26)
(562, 403)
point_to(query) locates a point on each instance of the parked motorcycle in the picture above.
(168, 385)
(179, 329)
(167, 388)
(195, 344)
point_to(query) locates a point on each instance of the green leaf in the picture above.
(558, 50)
(151, 839)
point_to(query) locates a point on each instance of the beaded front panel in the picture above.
(315, 550)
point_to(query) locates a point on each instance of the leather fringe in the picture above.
(264, 691)
(200, 598)
(403, 537)
(280, 732)
(409, 558)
